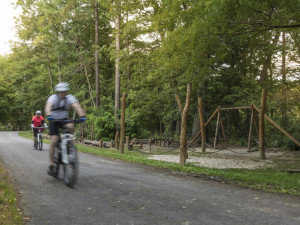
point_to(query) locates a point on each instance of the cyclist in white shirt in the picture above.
(57, 108)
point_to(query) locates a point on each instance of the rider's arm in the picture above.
(48, 108)
(78, 109)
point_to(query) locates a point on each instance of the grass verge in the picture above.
(9, 211)
(271, 180)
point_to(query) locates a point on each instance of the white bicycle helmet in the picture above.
(38, 112)
(62, 87)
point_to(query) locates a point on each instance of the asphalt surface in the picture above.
(112, 192)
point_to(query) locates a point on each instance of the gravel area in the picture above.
(215, 162)
(222, 159)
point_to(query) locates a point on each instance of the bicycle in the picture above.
(39, 141)
(65, 154)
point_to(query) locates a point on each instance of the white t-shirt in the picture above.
(60, 107)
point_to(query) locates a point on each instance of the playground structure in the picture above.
(171, 143)
(120, 141)
(253, 109)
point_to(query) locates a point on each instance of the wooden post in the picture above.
(111, 143)
(202, 124)
(82, 133)
(150, 143)
(122, 123)
(101, 143)
(250, 129)
(132, 143)
(183, 146)
(117, 140)
(254, 120)
(262, 124)
(217, 127)
(177, 98)
(128, 142)
(92, 132)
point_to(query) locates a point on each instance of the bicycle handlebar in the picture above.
(67, 121)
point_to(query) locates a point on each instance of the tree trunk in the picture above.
(59, 70)
(50, 73)
(284, 99)
(262, 124)
(122, 135)
(196, 125)
(127, 54)
(83, 65)
(202, 124)
(267, 63)
(183, 146)
(97, 55)
(117, 78)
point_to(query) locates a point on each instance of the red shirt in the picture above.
(37, 121)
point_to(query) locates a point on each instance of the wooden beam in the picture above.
(199, 132)
(241, 107)
(254, 120)
(250, 129)
(278, 127)
(217, 127)
(262, 124)
(223, 130)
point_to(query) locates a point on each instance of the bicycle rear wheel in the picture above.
(71, 169)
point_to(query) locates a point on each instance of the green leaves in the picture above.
(220, 46)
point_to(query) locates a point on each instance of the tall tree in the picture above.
(97, 55)
(117, 64)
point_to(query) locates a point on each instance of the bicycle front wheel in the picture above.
(71, 169)
(57, 161)
(40, 142)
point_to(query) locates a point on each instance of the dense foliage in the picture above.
(222, 47)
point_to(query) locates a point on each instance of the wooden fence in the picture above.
(134, 142)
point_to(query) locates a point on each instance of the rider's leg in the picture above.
(70, 127)
(54, 136)
(53, 144)
(35, 137)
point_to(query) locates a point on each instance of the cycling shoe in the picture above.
(50, 170)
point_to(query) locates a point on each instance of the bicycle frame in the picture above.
(66, 154)
(39, 133)
(64, 138)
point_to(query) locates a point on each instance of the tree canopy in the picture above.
(228, 50)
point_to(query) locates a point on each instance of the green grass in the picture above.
(9, 211)
(272, 180)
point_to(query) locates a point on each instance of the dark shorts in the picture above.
(54, 127)
(35, 131)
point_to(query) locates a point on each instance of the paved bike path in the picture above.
(111, 192)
